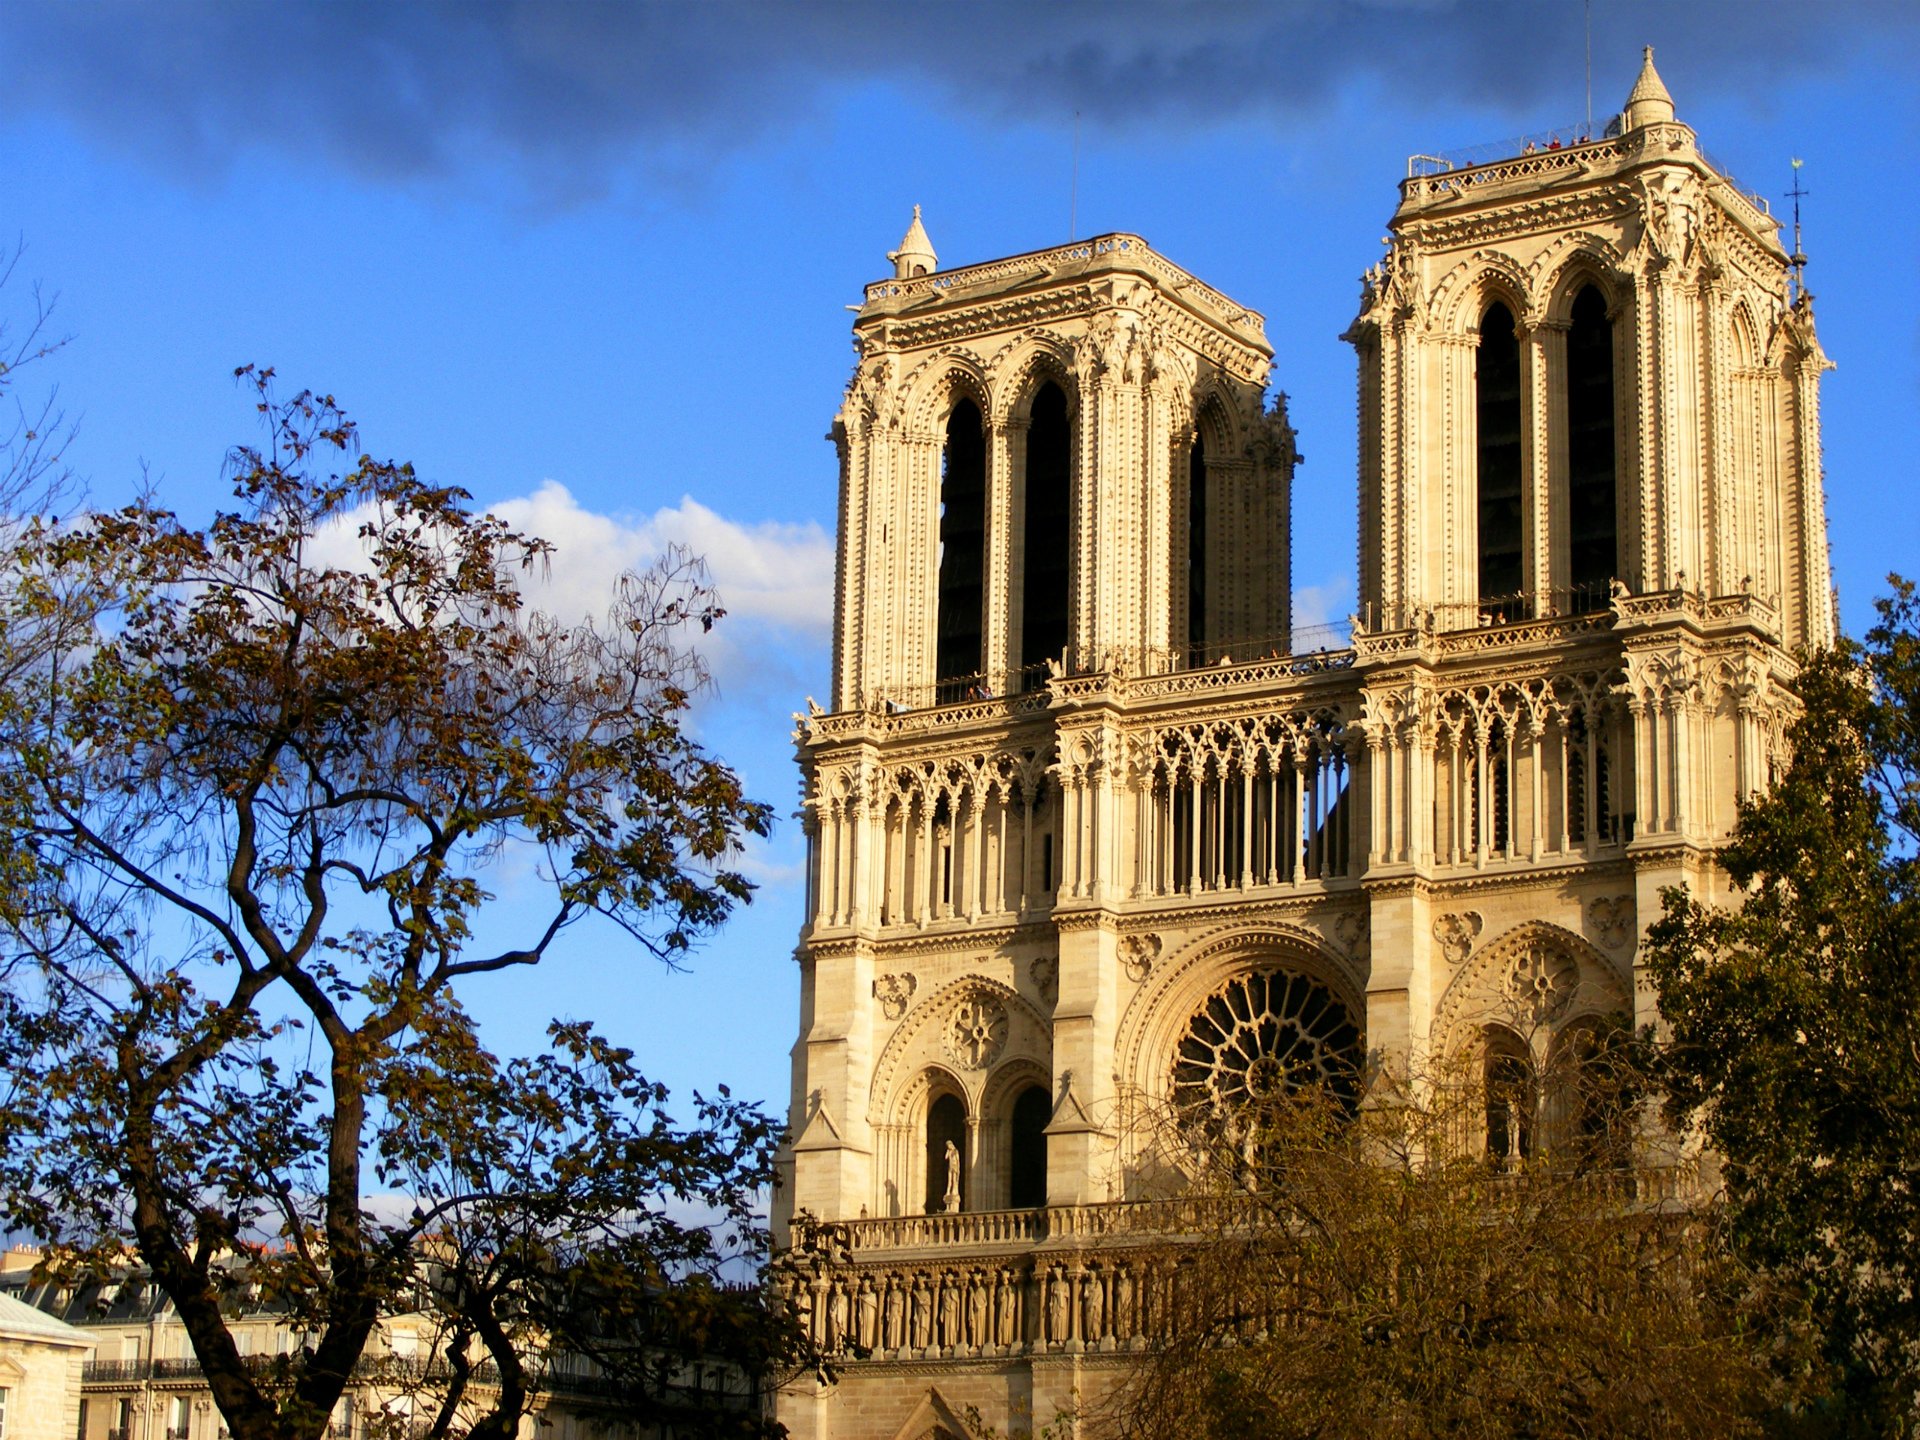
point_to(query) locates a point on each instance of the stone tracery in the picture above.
(1263, 1034)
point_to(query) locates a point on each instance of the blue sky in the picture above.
(591, 263)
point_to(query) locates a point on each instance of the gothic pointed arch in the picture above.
(1573, 260)
(965, 1028)
(1464, 292)
(1532, 980)
(1179, 986)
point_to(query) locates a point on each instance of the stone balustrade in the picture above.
(1086, 1279)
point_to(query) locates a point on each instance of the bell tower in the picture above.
(1048, 460)
(1582, 365)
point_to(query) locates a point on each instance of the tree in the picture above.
(1794, 1019)
(254, 805)
(1384, 1271)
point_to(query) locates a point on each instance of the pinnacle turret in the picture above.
(915, 255)
(1649, 103)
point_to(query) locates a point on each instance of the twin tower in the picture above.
(1090, 836)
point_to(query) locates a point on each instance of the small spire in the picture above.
(1649, 104)
(915, 255)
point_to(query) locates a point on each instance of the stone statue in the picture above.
(837, 1318)
(951, 1202)
(1059, 1307)
(892, 1319)
(868, 1328)
(1094, 1322)
(977, 1312)
(1003, 1295)
(922, 1313)
(949, 1311)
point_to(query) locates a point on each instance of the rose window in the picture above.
(1540, 982)
(1263, 1035)
(976, 1031)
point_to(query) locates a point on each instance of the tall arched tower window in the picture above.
(963, 528)
(1197, 547)
(1593, 549)
(1046, 534)
(1498, 481)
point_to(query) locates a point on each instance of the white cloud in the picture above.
(767, 572)
(1321, 608)
(774, 578)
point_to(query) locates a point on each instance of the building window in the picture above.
(5, 1395)
(179, 1418)
(1046, 534)
(1027, 1167)
(1592, 520)
(963, 530)
(1498, 479)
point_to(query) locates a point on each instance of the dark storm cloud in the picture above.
(562, 92)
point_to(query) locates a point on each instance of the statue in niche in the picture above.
(836, 1315)
(1123, 1304)
(950, 1202)
(868, 1331)
(1003, 1295)
(1059, 1306)
(977, 1336)
(892, 1321)
(1094, 1324)
(949, 1311)
(922, 1313)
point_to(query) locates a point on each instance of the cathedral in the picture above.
(1090, 832)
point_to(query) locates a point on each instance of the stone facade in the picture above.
(42, 1362)
(1184, 862)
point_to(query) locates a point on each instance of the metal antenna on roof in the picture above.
(1799, 257)
(1589, 68)
(1073, 191)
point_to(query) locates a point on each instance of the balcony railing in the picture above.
(1645, 1187)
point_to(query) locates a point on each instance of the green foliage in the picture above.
(1378, 1274)
(1795, 1019)
(262, 774)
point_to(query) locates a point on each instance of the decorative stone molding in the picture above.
(1355, 935)
(895, 993)
(1045, 971)
(1455, 933)
(1137, 953)
(1611, 919)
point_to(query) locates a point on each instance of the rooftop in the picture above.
(1061, 263)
